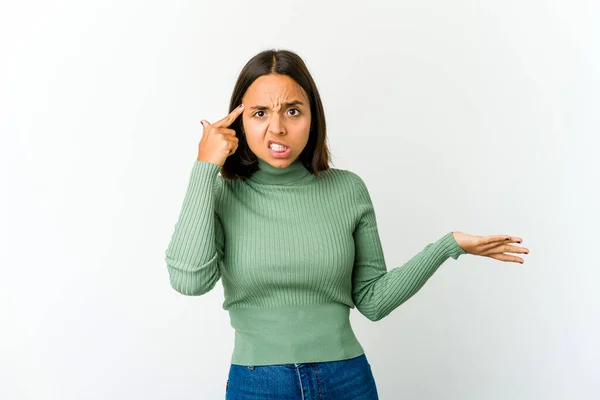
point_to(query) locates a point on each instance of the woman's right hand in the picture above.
(218, 141)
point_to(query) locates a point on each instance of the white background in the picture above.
(476, 116)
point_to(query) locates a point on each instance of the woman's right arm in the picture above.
(196, 247)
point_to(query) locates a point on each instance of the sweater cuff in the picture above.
(204, 169)
(451, 246)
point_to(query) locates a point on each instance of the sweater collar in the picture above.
(293, 174)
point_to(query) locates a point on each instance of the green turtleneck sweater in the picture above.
(294, 252)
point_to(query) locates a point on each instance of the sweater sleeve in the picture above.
(197, 243)
(376, 292)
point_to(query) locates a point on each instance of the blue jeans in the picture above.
(349, 379)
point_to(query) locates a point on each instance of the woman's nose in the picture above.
(275, 125)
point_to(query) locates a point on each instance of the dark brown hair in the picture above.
(315, 156)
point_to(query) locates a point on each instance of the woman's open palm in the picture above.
(491, 246)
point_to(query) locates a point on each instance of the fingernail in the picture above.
(241, 105)
(202, 123)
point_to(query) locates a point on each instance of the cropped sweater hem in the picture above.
(293, 334)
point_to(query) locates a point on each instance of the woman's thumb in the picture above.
(204, 122)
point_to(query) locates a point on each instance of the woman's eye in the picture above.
(294, 115)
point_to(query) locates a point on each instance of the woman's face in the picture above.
(276, 108)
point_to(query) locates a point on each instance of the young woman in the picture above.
(294, 242)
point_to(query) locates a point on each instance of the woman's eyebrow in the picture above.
(288, 104)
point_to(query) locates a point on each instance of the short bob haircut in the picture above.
(315, 156)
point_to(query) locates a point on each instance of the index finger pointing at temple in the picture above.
(228, 120)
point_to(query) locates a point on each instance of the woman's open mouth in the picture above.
(279, 151)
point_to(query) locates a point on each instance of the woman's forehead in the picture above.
(274, 89)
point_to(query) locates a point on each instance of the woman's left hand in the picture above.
(491, 246)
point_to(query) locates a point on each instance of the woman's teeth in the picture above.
(277, 147)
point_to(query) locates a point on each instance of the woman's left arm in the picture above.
(376, 292)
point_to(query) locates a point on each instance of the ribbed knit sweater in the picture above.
(294, 252)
